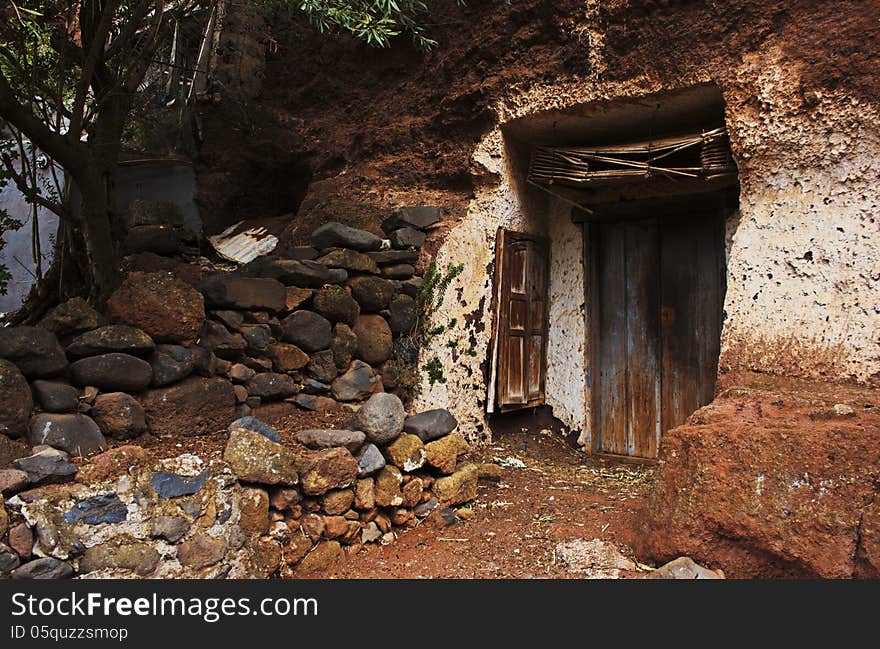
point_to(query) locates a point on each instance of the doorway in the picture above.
(658, 295)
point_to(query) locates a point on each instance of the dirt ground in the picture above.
(560, 497)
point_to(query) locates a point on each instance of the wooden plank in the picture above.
(611, 353)
(642, 338)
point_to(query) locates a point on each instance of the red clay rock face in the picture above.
(767, 485)
(162, 305)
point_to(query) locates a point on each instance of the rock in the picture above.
(300, 273)
(844, 410)
(158, 239)
(4, 520)
(114, 463)
(254, 505)
(201, 551)
(9, 560)
(334, 303)
(111, 338)
(55, 396)
(442, 454)
(232, 320)
(287, 358)
(369, 460)
(44, 568)
(380, 418)
(315, 403)
(301, 252)
(74, 433)
(296, 297)
(313, 525)
(16, 401)
(337, 235)
(349, 260)
(195, 406)
(683, 568)
(323, 556)
(119, 415)
(272, 386)
(406, 452)
(12, 481)
(307, 330)
(404, 315)
(431, 424)
(204, 361)
(257, 337)
(171, 485)
(235, 292)
(70, 318)
(372, 293)
(112, 372)
(313, 386)
(256, 426)
(398, 271)
(322, 366)
(407, 238)
(441, 517)
(48, 466)
(165, 307)
(363, 494)
(144, 212)
(221, 341)
(240, 373)
(322, 471)
(103, 508)
(169, 528)
(387, 487)
(412, 492)
(594, 558)
(120, 554)
(323, 438)
(21, 539)
(283, 499)
(335, 526)
(384, 257)
(150, 262)
(490, 472)
(423, 509)
(458, 488)
(374, 339)
(337, 501)
(35, 351)
(357, 383)
(343, 345)
(171, 363)
(420, 217)
(370, 533)
(253, 458)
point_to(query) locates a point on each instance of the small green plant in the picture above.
(434, 369)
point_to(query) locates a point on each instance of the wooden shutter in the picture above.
(522, 319)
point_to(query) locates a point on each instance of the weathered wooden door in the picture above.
(523, 277)
(659, 298)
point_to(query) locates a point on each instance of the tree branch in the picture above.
(31, 192)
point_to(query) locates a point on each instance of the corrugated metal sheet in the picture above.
(248, 239)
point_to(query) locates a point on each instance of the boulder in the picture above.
(412, 286)
(253, 458)
(284, 498)
(683, 568)
(112, 372)
(221, 341)
(200, 551)
(195, 406)
(357, 383)
(398, 271)
(324, 438)
(380, 418)
(34, 350)
(111, 338)
(235, 292)
(256, 426)
(44, 568)
(458, 488)
(12, 481)
(384, 257)
(296, 297)
(349, 260)
(322, 366)
(343, 345)
(55, 396)
(301, 253)
(119, 415)
(257, 337)
(321, 471)
(271, 386)
(372, 293)
(165, 307)
(420, 217)
(307, 330)
(323, 556)
(122, 553)
(48, 466)
(16, 401)
(363, 494)
(171, 363)
(387, 487)
(300, 273)
(431, 424)
(336, 502)
(204, 361)
(334, 303)
(21, 539)
(254, 504)
(232, 320)
(407, 238)
(375, 342)
(442, 454)
(76, 434)
(369, 460)
(337, 235)
(315, 403)
(406, 452)
(404, 315)
(72, 317)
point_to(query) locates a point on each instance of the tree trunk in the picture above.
(97, 238)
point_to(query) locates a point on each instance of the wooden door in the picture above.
(523, 278)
